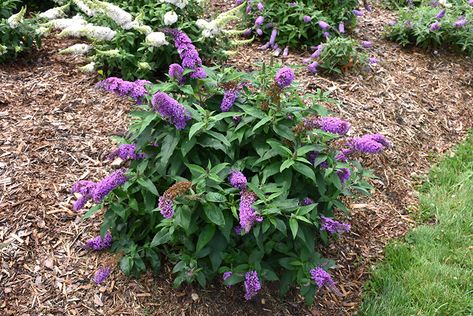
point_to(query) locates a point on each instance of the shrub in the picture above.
(430, 26)
(231, 175)
(17, 34)
(296, 23)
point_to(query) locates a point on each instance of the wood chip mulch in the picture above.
(56, 129)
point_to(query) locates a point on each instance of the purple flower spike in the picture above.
(368, 7)
(470, 2)
(226, 275)
(229, 98)
(441, 14)
(318, 51)
(334, 125)
(272, 39)
(165, 206)
(312, 68)
(373, 60)
(236, 119)
(333, 226)
(259, 21)
(366, 44)
(357, 12)
(98, 243)
(344, 174)
(460, 22)
(285, 52)
(435, 27)
(284, 77)
(259, 32)
(369, 144)
(175, 72)
(324, 25)
(260, 6)
(252, 284)
(101, 275)
(248, 215)
(307, 19)
(188, 53)
(341, 27)
(247, 32)
(85, 189)
(135, 90)
(237, 180)
(125, 152)
(326, 35)
(170, 109)
(306, 201)
(108, 184)
(321, 277)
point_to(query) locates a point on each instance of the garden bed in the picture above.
(55, 125)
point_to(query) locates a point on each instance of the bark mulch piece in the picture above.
(56, 129)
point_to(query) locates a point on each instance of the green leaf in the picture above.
(167, 149)
(294, 225)
(261, 123)
(148, 184)
(214, 214)
(205, 236)
(162, 237)
(220, 116)
(215, 197)
(195, 128)
(186, 147)
(305, 170)
(126, 264)
(219, 137)
(286, 164)
(183, 217)
(92, 211)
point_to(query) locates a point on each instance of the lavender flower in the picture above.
(101, 275)
(324, 25)
(238, 180)
(125, 152)
(165, 206)
(247, 32)
(307, 19)
(135, 90)
(189, 55)
(470, 2)
(83, 187)
(318, 51)
(313, 67)
(285, 52)
(259, 32)
(368, 7)
(248, 215)
(343, 174)
(321, 277)
(98, 243)
(333, 226)
(326, 35)
(248, 9)
(369, 144)
(366, 44)
(229, 97)
(284, 77)
(306, 201)
(342, 156)
(238, 2)
(260, 6)
(272, 39)
(252, 284)
(357, 12)
(441, 14)
(334, 125)
(170, 109)
(341, 27)
(373, 60)
(259, 20)
(175, 72)
(108, 184)
(460, 22)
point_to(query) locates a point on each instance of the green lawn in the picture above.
(430, 272)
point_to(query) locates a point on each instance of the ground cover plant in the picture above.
(431, 271)
(231, 176)
(17, 34)
(435, 24)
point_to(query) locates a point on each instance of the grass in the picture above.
(430, 272)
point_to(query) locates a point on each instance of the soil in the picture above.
(56, 128)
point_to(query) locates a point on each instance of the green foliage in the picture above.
(200, 240)
(17, 35)
(431, 272)
(340, 54)
(289, 20)
(413, 27)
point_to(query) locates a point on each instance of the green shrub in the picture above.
(340, 54)
(229, 175)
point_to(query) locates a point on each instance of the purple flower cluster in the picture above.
(341, 27)
(284, 77)
(460, 22)
(175, 72)
(334, 227)
(259, 21)
(367, 44)
(229, 97)
(441, 14)
(248, 215)
(321, 277)
(324, 25)
(85, 189)
(238, 180)
(108, 184)
(369, 144)
(343, 174)
(188, 53)
(135, 90)
(307, 19)
(334, 125)
(312, 67)
(435, 26)
(306, 201)
(98, 243)
(101, 275)
(252, 284)
(165, 206)
(357, 12)
(226, 275)
(125, 152)
(170, 109)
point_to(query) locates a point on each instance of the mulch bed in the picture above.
(56, 129)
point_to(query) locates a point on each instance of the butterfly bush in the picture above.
(433, 26)
(236, 193)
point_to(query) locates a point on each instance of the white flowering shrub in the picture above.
(17, 34)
